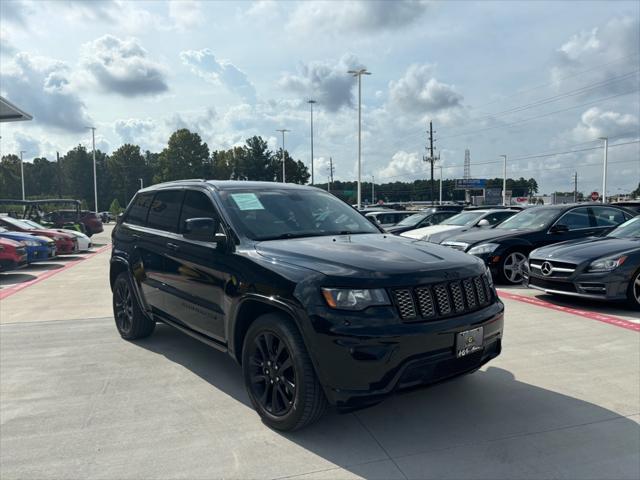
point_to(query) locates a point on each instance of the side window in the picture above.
(196, 205)
(608, 217)
(576, 219)
(499, 217)
(165, 210)
(137, 214)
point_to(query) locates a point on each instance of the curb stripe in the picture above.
(7, 292)
(600, 317)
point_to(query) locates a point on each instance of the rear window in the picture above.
(137, 214)
(165, 210)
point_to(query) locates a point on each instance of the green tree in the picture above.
(115, 209)
(185, 157)
(636, 192)
(255, 162)
(77, 170)
(126, 166)
(10, 184)
(296, 171)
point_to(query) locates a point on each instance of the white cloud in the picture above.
(123, 67)
(362, 15)
(327, 82)
(16, 12)
(6, 46)
(595, 123)
(402, 163)
(204, 64)
(42, 87)
(186, 14)
(419, 92)
(133, 130)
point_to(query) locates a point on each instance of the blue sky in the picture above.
(526, 79)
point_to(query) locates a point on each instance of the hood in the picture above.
(49, 232)
(8, 242)
(372, 256)
(17, 236)
(486, 235)
(587, 249)
(426, 232)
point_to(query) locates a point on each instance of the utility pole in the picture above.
(373, 190)
(431, 159)
(59, 171)
(95, 182)
(440, 167)
(575, 187)
(504, 180)
(358, 74)
(141, 183)
(330, 178)
(283, 131)
(604, 173)
(22, 173)
(311, 102)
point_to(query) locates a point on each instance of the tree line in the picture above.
(120, 174)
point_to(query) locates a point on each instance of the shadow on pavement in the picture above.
(608, 308)
(67, 258)
(14, 278)
(43, 266)
(484, 425)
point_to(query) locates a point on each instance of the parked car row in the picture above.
(26, 241)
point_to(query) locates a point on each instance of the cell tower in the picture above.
(467, 164)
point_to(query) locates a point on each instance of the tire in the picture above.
(633, 292)
(132, 323)
(511, 266)
(279, 376)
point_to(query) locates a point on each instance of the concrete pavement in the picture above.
(77, 401)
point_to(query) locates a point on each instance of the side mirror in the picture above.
(483, 223)
(203, 230)
(559, 228)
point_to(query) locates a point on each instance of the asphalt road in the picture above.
(77, 401)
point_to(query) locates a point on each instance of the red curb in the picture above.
(5, 293)
(600, 317)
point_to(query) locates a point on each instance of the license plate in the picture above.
(468, 342)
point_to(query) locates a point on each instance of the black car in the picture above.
(603, 268)
(633, 205)
(423, 218)
(317, 304)
(505, 248)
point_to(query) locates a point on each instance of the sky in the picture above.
(530, 80)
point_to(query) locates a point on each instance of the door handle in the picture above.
(172, 246)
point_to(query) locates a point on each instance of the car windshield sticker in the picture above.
(247, 201)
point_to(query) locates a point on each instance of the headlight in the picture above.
(483, 248)
(606, 264)
(354, 299)
(32, 243)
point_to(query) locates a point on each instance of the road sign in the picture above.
(595, 196)
(470, 183)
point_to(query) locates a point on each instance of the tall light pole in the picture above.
(283, 131)
(141, 184)
(311, 102)
(504, 180)
(95, 181)
(22, 173)
(358, 74)
(604, 173)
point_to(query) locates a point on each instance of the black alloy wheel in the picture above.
(123, 306)
(131, 321)
(273, 375)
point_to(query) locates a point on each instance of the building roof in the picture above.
(10, 113)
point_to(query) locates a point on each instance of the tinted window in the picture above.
(608, 217)
(137, 214)
(196, 205)
(464, 218)
(576, 219)
(497, 217)
(165, 210)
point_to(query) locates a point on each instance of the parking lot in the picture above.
(77, 401)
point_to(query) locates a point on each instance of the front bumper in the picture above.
(358, 366)
(597, 286)
(38, 254)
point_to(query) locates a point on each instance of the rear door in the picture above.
(608, 218)
(580, 223)
(198, 273)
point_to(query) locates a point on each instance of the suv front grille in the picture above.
(442, 300)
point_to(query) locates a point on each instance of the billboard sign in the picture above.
(470, 183)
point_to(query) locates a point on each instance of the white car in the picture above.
(84, 242)
(462, 222)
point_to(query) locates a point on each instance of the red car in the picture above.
(91, 222)
(65, 243)
(12, 254)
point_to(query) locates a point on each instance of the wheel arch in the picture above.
(118, 265)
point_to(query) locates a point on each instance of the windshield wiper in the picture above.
(291, 235)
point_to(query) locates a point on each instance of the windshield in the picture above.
(411, 220)
(290, 213)
(629, 229)
(32, 224)
(533, 219)
(464, 218)
(17, 223)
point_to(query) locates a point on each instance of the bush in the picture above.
(115, 209)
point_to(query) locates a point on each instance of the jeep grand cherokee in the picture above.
(317, 304)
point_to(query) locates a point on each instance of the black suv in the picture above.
(317, 304)
(505, 248)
